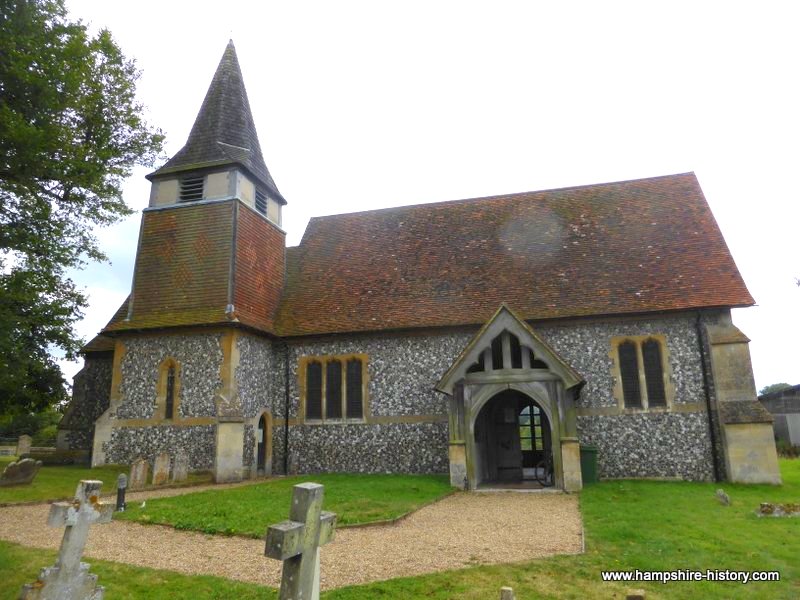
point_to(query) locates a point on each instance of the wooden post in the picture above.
(297, 541)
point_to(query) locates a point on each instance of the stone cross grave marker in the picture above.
(297, 542)
(140, 468)
(69, 578)
(180, 469)
(161, 469)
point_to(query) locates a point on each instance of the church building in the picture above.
(489, 338)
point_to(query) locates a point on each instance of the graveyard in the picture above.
(627, 524)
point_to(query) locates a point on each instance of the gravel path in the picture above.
(459, 531)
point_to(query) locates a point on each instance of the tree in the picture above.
(774, 387)
(71, 131)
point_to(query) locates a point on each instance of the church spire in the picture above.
(224, 131)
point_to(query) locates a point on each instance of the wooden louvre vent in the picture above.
(191, 189)
(261, 202)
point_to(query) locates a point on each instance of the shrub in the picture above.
(786, 450)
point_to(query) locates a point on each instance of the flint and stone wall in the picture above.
(403, 370)
(129, 443)
(200, 359)
(642, 444)
(90, 396)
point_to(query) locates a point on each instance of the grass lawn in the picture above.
(19, 565)
(250, 509)
(629, 525)
(59, 482)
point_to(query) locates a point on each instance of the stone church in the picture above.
(481, 337)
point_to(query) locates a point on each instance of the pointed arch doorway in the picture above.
(512, 409)
(264, 445)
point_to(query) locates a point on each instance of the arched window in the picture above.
(314, 390)
(168, 391)
(643, 379)
(333, 390)
(629, 370)
(169, 402)
(354, 384)
(653, 373)
(334, 387)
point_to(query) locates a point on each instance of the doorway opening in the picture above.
(513, 442)
(261, 449)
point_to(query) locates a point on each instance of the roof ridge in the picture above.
(499, 196)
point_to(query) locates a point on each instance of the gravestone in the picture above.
(140, 469)
(24, 444)
(180, 470)
(20, 473)
(161, 469)
(297, 541)
(69, 578)
(507, 593)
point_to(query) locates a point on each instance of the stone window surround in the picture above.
(160, 404)
(666, 373)
(303, 363)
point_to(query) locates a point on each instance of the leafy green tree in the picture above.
(774, 387)
(71, 131)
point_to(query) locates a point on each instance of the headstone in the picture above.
(70, 578)
(180, 470)
(140, 469)
(723, 498)
(635, 595)
(297, 541)
(122, 484)
(24, 444)
(161, 469)
(20, 473)
(507, 593)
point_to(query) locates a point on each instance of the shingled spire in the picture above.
(224, 131)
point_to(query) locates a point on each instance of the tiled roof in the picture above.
(616, 248)
(224, 131)
(103, 343)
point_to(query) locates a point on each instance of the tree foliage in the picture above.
(774, 387)
(71, 131)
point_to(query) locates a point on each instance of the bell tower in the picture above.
(211, 247)
(209, 267)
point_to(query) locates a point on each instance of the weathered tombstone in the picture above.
(21, 472)
(180, 470)
(161, 469)
(122, 484)
(635, 595)
(507, 593)
(296, 542)
(140, 469)
(69, 578)
(24, 444)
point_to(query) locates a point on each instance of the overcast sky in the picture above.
(364, 105)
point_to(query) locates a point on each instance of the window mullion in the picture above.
(642, 379)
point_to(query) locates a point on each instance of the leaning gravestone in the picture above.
(296, 542)
(161, 469)
(20, 473)
(180, 470)
(140, 469)
(24, 445)
(69, 578)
